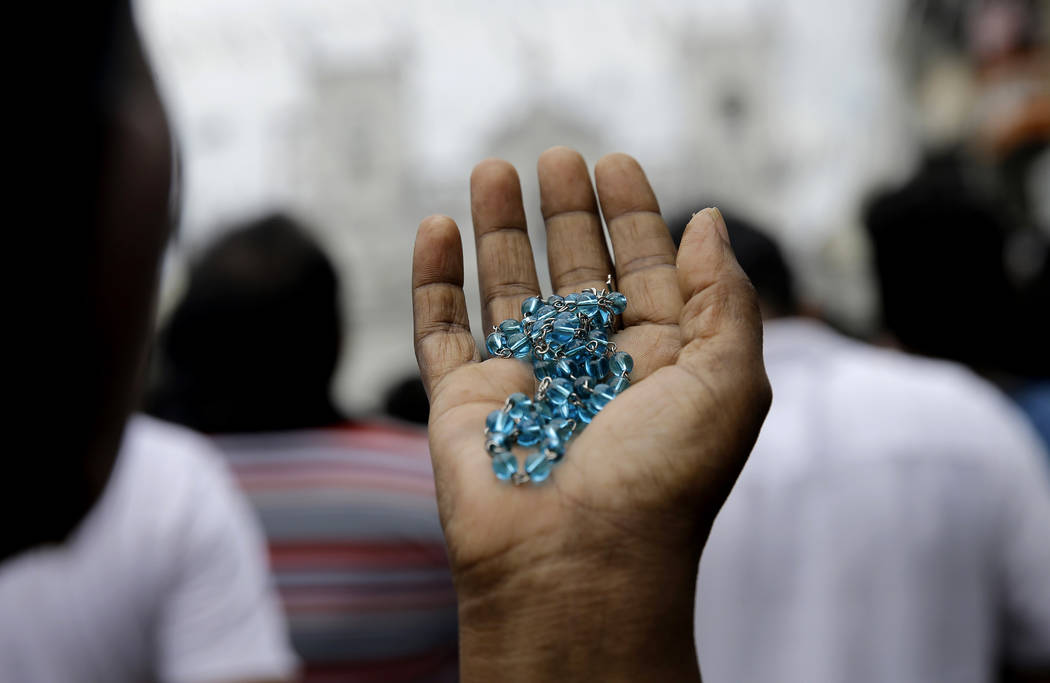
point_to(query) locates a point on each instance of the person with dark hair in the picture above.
(255, 340)
(126, 553)
(407, 401)
(248, 357)
(964, 275)
(940, 255)
(890, 523)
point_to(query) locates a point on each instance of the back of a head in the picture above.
(761, 258)
(254, 343)
(939, 245)
(407, 401)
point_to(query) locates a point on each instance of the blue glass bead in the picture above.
(566, 411)
(575, 347)
(600, 397)
(603, 390)
(499, 422)
(557, 433)
(565, 327)
(553, 353)
(595, 403)
(543, 313)
(494, 342)
(601, 337)
(542, 412)
(564, 368)
(604, 317)
(519, 345)
(531, 305)
(555, 454)
(559, 390)
(619, 384)
(538, 467)
(597, 367)
(500, 440)
(617, 302)
(587, 304)
(573, 298)
(554, 299)
(544, 368)
(511, 326)
(529, 432)
(518, 405)
(584, 414)
(583, 386)
(621, 363)
(504, 464)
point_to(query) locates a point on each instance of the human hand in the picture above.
(615, 534)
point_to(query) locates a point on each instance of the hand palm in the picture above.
(662, 454)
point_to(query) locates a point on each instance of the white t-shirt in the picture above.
(892, 524)
(165, 579)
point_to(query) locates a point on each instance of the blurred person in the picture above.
(948, 253)
(407, 401)
(941, 246)
(126, 554)
(890, 524)
(963, 247)
(253, 344)
(348, 506)
(164, 579)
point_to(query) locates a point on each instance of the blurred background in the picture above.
(359, 118)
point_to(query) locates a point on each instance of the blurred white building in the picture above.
(364, 117)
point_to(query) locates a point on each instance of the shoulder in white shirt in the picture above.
(165, 579)
(890, 525)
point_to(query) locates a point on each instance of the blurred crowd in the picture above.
(892, 523)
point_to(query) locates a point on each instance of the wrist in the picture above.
(621, 612)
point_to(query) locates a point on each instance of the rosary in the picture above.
(578, 369)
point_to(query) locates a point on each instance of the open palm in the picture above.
(655, 465)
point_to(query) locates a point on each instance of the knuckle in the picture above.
(506, 290)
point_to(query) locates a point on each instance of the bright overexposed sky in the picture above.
(238, 75)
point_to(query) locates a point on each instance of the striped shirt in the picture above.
(356, 548)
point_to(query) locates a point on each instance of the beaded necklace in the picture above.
(579, 370)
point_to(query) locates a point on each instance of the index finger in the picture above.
(575, 238)
(443, 340)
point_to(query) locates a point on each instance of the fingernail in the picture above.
(718, 221)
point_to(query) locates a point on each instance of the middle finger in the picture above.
(575, 239)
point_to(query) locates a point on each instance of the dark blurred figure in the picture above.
(407, 401)
(126, 554)
(255, 341)
(940, 245)
(96, 183)
(890, 524)
(963, 248)
(348, 506)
